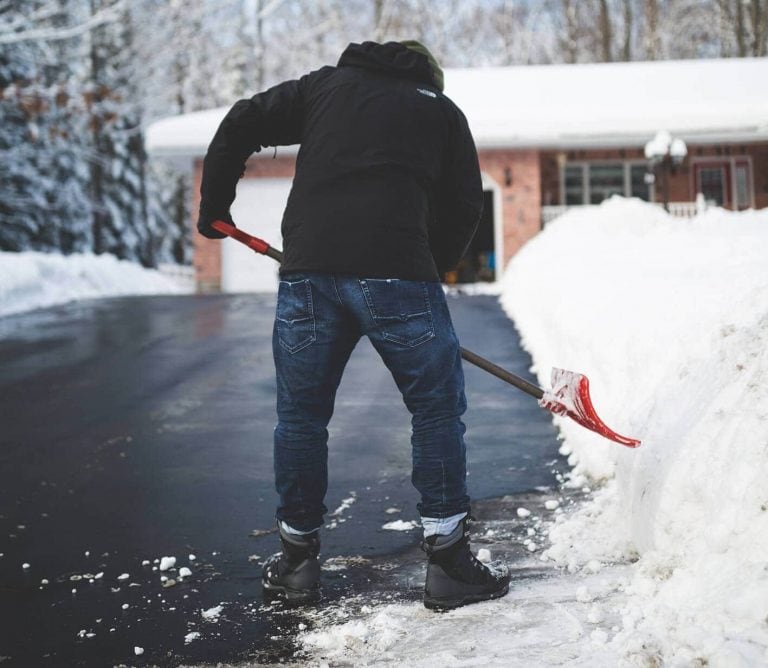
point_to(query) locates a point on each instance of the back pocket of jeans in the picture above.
(295, 315)
(401, 309)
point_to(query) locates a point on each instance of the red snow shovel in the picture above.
(570, 391)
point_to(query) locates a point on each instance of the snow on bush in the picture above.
(30, 280)
(669, 319)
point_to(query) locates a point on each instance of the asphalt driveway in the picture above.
(137, 428)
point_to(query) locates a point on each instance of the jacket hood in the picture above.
(392, 58)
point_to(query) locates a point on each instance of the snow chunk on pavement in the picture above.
(190, 637)
(523, 512)
(167, 563)
(345, 505)
(212, 614)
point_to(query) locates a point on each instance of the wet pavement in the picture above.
(137, 428)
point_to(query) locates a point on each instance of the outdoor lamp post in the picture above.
(665, 154)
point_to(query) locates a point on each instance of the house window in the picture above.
(605, 181)
(712, 184)
(743, 186)
(725, 181)
(638, 184)
(592, 182)
(574, 184)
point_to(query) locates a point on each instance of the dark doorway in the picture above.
(479, 262)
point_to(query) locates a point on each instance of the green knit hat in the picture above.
(437, 72)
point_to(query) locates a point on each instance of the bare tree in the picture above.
(628, 16)
(759, 19)
(651, 38)
(605, 31)
(746, 23)
(570, 37)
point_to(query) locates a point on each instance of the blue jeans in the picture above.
(319, 320)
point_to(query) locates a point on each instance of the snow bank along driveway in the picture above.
(669, 319)
(31, 280)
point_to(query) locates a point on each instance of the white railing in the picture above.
(549, 213)
(182, 275)
(677, 209)
(683, 209)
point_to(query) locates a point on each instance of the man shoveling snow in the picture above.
(387, 196)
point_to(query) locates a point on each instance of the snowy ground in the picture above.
(31, 280)
(666, 563)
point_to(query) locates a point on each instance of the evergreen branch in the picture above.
(107, 15)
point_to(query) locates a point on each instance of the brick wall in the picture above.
(207, 253)
(518, 175)
(681, 183)
(759, 154)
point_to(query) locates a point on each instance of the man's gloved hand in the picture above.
(205, 227)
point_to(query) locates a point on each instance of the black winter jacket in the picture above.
(387, 181)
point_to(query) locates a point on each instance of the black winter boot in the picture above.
(294, 575)
(454, 575)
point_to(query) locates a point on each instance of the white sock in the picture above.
(295, 532)
(441, 525)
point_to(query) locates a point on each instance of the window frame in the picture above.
(728, 163)
(586, 190)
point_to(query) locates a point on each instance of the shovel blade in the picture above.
(570, 396)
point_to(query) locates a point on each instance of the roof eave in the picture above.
(633, 140)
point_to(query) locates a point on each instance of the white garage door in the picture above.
(258, 209)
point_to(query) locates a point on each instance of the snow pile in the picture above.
(669, 319)
(212, 614)
(32, 280)
(539, 623)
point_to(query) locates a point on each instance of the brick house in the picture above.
(549, 137)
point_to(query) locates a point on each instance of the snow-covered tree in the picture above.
(74, 173)
(117, 192)
(43, 193)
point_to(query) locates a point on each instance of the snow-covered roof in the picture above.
(572, 106)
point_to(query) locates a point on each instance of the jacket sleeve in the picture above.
(271, 118)
(459, 202)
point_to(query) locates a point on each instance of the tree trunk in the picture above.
(570, 41)
(378, 20)
(651, 29)
(759, 16)
(741, 32)
(626, 51)
(606, 36)
(259, 51)
(98, 213)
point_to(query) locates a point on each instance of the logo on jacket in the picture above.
(426, 92)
